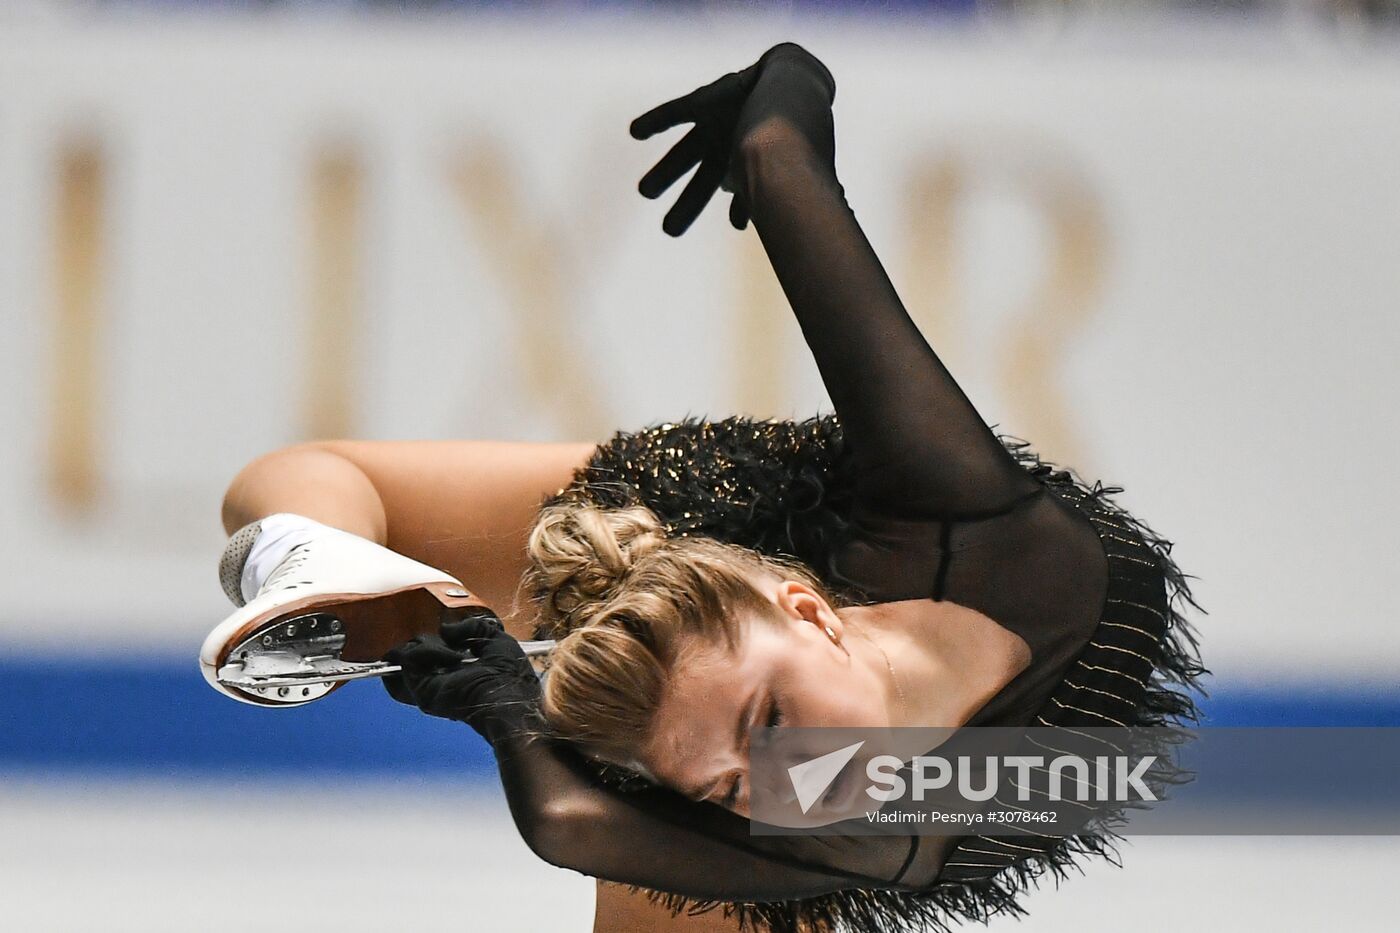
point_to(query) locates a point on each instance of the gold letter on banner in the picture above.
(336, 214)
(1037, 339)
(532, 261)
(73, 475)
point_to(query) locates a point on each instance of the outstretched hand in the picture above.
(717, 111)
(473, 672)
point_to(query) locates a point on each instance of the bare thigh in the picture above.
(465, 507)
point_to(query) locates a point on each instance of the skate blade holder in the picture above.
(299, 660)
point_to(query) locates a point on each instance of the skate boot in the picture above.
(320, 607)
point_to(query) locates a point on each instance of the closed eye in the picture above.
(731, 798)
(775, 714)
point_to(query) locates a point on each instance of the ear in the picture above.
(801, 603)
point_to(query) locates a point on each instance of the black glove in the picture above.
(786, 81)
(474, 673)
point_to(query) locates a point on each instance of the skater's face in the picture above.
(795, 667)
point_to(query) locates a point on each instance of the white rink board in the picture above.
(1225, 350)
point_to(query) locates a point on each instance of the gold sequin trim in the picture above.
(1132, 628)
(1126, 542)
(1064, 776)
(1011, 845)
(1050, 748)
(1113, 670)
(1128, 602)
(1088, 712)
(1130, 558)
(1082, 735)
(1046, 794)
(967, 848)
(1124, 650)
(1079, 686)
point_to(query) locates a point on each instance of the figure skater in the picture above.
(896, 564)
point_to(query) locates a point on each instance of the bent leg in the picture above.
(465, 507)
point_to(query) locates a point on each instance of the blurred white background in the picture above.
(1157, 240)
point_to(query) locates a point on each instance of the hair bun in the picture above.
(580, 553)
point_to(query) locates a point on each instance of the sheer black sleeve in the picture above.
(655, 838)
(921, 449)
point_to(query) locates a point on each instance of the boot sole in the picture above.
(372, 623)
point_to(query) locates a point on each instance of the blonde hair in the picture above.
(625, 599)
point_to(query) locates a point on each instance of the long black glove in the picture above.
(879, 373)
(723, 111)
(646, 836)
(474, 673)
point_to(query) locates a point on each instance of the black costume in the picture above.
(905, 493)
(787, 488)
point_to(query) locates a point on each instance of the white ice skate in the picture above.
(325, 606)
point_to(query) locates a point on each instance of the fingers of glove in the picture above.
(461, 695)
(738, 205)
(693, 199)
(725, 92)
(484, 637)
(471, 633)
(397, 686)
(504, 653)
(428, 694)
(738, 213)
(673, 164)
(395, 655)
(396, 683)
(664, 116)
(425, 654)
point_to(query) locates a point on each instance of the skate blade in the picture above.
(299, 660)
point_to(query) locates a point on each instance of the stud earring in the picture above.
(830, 633)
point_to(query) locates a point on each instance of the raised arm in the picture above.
(921, 448)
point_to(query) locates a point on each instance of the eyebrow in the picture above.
(740, 729)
